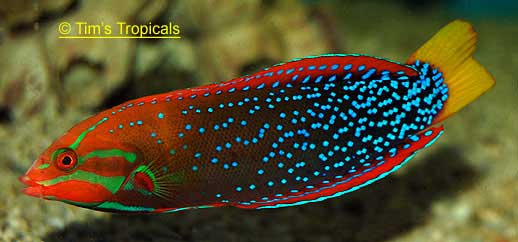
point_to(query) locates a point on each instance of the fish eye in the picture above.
(66, 159)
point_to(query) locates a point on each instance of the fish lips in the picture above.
(89, 196)
(33, 188)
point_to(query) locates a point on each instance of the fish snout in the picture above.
(33, 188)
(27, 181)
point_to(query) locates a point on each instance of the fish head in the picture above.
(84, 167)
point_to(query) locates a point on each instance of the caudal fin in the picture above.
(451, 51)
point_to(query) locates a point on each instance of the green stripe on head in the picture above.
(84, 133)
(56, 153)
(111, 183)
(130, 157)
(43, 166)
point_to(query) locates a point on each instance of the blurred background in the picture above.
(464, 188)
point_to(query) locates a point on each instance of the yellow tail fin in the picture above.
(451, 51)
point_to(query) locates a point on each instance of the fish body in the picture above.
(298, 132)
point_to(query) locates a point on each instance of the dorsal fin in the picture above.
(294, 71)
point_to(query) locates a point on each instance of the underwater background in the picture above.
(464, 188)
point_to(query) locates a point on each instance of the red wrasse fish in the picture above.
(297, 132)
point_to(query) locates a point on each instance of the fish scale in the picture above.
(302, 131)
(287, 145)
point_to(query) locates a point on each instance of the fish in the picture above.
(302, 131)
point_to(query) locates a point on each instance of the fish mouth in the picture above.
(33, 188)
